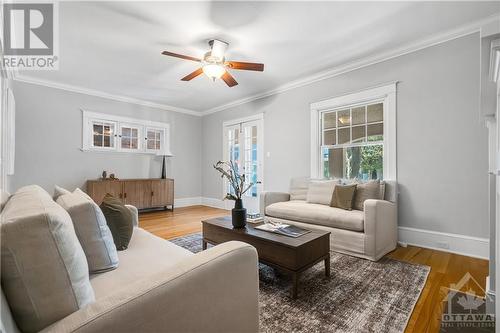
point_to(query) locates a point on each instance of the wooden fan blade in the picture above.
(248, 66)
(192, 75)
(229, 79)
(180, 56)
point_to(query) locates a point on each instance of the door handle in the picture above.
(152, 193)
(125, 195)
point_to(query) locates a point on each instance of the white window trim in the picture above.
(387, 93)
(119, 121)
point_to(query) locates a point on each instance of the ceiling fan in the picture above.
(214, 64)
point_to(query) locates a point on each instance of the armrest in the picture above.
(381, 227)
(268, 198)
(213, 291)
(135, 215)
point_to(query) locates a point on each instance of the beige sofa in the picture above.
(161, 287)
(368, 234)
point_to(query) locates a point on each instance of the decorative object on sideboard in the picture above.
(238, 187)
(104, 174)
(113, 177)
(163, 166)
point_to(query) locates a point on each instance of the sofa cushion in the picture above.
(298, 188)
(147, 254)
(119, 219)
(301, 211)
(44, 271)
(320, 192)
(365, 191)
(91, 230)
(343, 196)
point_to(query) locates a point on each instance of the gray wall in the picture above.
(49, 139)
(441, 144)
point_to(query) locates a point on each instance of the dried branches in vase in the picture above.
(239, 186)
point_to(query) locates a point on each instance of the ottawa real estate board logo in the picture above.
(30, 37)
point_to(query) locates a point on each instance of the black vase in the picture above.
(239, 214)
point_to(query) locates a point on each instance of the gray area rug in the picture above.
(360, 295)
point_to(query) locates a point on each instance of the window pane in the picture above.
(358, 134)
(151, 135)
(107, 141)
(329, 137)
(108, 130)
(254, 130)
(344, 118)
(375, 132)
(344, 135)
(126, 131)
(97, 129)
(329, 120)
(125, 142)
(97, 140)
(358, 115)
(135, 132)
(133, 143)
(158, 145)
(375, 112)
(353, 162)
(151, 144)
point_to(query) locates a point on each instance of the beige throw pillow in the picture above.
(45, 275)
(365, 191)
(92, 231)
(321, 191)
(343, 196)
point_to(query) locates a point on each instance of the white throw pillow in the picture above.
(298, 188)
(92, 231)
(45, 275)
(58, 191)
(320, 192)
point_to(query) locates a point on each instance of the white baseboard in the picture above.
(185, 202)
(215, 203)
(454, 243)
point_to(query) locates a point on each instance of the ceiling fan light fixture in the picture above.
(213, 71)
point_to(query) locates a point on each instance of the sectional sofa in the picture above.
(157, 286)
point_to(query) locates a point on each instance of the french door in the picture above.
(243, 142)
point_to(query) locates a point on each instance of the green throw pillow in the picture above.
(119, 220)
(343, 196)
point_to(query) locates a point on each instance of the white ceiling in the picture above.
(115, 47)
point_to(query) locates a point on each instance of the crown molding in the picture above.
(97, 93)
(368, 61)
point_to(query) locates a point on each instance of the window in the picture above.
(129, 137)
(154, 137)
(120, 134)
(353, 136)
(103, 134)
(353, 142)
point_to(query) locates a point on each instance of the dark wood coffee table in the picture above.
(292, 255)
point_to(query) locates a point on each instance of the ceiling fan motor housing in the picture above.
(217, 52)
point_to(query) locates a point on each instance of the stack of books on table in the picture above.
(254, 218)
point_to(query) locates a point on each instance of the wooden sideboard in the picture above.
(141, 193)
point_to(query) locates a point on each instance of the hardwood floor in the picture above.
(446, 268)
